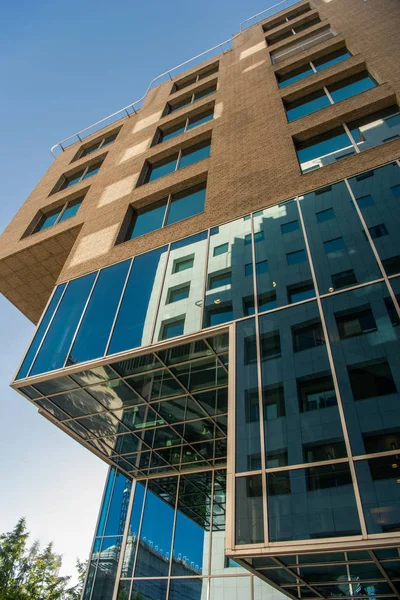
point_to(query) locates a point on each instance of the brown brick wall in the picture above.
(253, 162)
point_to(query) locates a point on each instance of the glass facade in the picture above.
(305, 363)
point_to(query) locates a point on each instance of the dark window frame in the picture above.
(84, 170)
(191, 98)
(184, 123)
(199, 75)
(97, 144)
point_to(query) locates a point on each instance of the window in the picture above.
(365, 201)
(392, 312)
(281, 21)
(248, 269)
(375, 129)
(294, 258)
(324, 149)
(297, 28)
(206, 72)
(306, 42)
(289, 227)
(333, 245)
(176, 207)
(396, 191)
(219, 315)
(99, 143)
(371, 379)
(343, 279)
(262, 267)
(332, 476)
(316, 392)
(307, 105)
(84, 173)
(267, 301)
(351, 86)
(274, 402)
(168, 133)
(326, 451)
(391, 265)
(270, 345)
(187, 100)
(355, 322)
(179, 293)
(182, 264)
(378, 231)
(58, 215)
(218, 280)
(302, 291)
(307, 336)
(325, 215)
(312, 67)
(178, 160)
(172, 329)
(222, 249)
(252, 405)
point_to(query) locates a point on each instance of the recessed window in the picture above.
(221, 249)
(182, 264)
(396, 191)
(297, 28)
(312, 67)
(218, 280)
(270, 345)
(333, 245)
(274, 402)
(324, 149)
(289, 227)
(331, 59)
(248, 269)
(325, 215)
(218, 315)
(355, 321)
(295, 75)
(294, 258)
(344, 279)
(391, 265)
(176, 207)
(99, 143)
(67, 181)
(308, 41)
(307, 335)
(58, 215)
(307, 105)
(326, 451)
(176, 161)
(316, 392)
(371, 379)
(258, 237)
(300, 292)
(262, 267)
(331, 476)
(376, 128)
(378, 231)
(179, 293)
(365, 201)
(191, 79)
(267, 301)
(189, 99)
(392, 312)
(351, 86)
(172, 329)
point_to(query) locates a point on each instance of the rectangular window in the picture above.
(219, 315)
(355, 321)
(178, 160)
(351, 86)
(295, 75)
(344, 279)
(294, 258)
(206, 72)
(331, 59)
(218, 280)
(176, 207)
(312, 67)
(392, 312)
(179, 293)
(304, 44)
(324, 149)
(307, 336)
(334, 245)
(365, 201)
(378, 231)
(172, 329)
(262, 267)
(84, 173)
(325, 215)
(270, 345)
(396, 191)
(300, 292)
(248, 269)
(371, 379)
(391, 265)
(96, 145)
(274, 402)
(375, 129)
(306, 105)
(182, 264)
(58, 215)
(221, 249)
(189, 99)
(289, 227)
(315, 393)
(267, 301)
(326, 451)
(199, 119)
(332, 476)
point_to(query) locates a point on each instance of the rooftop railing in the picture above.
(133, 107)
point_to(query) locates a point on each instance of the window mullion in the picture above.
(313, 67)
(84, 174)
(186, 125)
(60, 214)
(327, 92)
(347, 130)
(178, 160)
(166, 211)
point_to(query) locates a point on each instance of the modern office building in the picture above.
(215, 275)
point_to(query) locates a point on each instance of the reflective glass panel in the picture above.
(136, 313)
(161, 168)
(150, 589)
(133, 531)
(56, 344)
(203, 117)
(351, 86)
(376, 129)
(324, 149)
(95, 328)
(307, 105)
(147, 220)
(108, 557)
(249, 522)
(295, 75)
(194, 154)
(186, 204)
(337, 244)
(190, 589)
(331, 59)
(48, 219)
(71, 210)
(171, 132)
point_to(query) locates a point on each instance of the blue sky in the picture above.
(62, 67)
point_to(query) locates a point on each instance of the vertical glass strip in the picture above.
(53, 352)
(96, 325)
(23, 372)
(135, 319)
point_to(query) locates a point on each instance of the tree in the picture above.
(30, 573)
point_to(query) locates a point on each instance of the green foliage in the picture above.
(32, 573)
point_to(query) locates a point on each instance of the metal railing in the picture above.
(132, 108)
